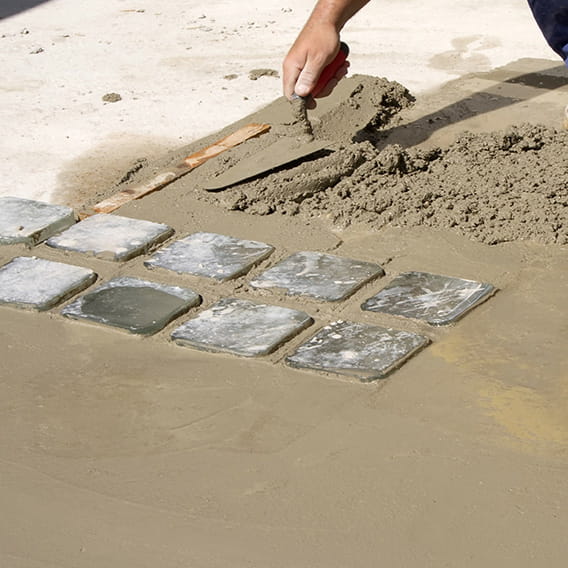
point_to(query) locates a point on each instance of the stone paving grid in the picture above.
(139, 306)
(31, 222)
(111, 237)
(233, 325)
(210, 255)
(241, 327)
(367, 352)
(435, 299)
(30, 282)
(321, 276)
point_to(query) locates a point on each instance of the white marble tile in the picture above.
(241, 327)
(31, 222)
(211, 255)
(111, 237)
(366, 352)
(318, 275)
(30, 282)
(438, 300)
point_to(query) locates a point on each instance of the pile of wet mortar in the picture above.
(494, 187)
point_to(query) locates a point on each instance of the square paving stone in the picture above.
(136, 305)
(211, 255)
(30, 282)
(359, 350)
(31, 222)
(111, 237)
(321, 276)
(241, 327)
(435, 299)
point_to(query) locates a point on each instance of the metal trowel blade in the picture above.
(282, 152)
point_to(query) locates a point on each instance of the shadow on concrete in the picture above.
(508, 88)
(12, 7)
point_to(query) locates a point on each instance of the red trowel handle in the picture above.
(330, 71)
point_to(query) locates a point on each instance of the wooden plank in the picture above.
(186, 165)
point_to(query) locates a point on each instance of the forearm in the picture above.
(335, 12)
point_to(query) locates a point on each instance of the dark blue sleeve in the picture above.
(552, 18)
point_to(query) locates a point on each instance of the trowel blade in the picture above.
(282, 152)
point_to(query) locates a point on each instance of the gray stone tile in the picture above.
(31, 222)
(321, 276)
(30, 282)
(211, 255)
(435, 299)
(138, 306)
(366, 352)
(241, 327)
(111, 237)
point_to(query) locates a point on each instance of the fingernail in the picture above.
(302, 89)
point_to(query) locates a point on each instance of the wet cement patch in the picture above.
(358, 350)
(321, 276)
(241, 327)
(31, 222)
(435, 299)
(106, 167)
(136, 305)
(35, 283)
(111, 237)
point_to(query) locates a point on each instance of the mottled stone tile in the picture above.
(210, 255)
(31, 222)
(111, 237)
(435, 299)
(139, 306)
(30, 282)
(366, 352)
(241, 327)
(321, 276)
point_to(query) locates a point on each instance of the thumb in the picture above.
(307, 79)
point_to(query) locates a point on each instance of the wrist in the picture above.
(328, 13)
(335, 13)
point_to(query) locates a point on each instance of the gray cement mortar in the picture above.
(498, 187)
(494, 187)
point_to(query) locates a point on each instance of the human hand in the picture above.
(316, 47)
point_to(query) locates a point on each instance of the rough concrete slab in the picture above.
(210, 254)
(435, 299)
(136, 305)
(321, 276)
(31, 222)
(241, 327)
(367, 352)
(112, 237)
(30, 282)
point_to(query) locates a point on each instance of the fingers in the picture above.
(315, 47)
(309, 75)
(301, 73)
(332, 83)
(291, 69)
(302, 68)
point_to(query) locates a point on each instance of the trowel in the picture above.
(288, 149)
